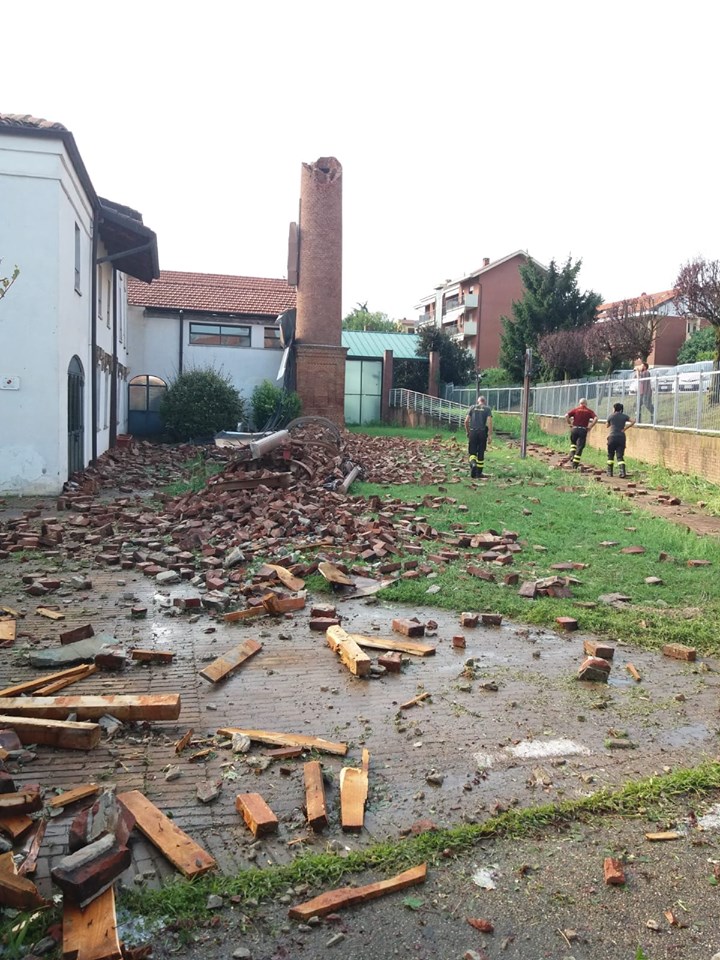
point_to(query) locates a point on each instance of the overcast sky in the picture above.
(465, 130)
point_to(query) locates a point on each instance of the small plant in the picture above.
(199, 403)
(270, 403)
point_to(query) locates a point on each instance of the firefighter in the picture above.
(618, 422)
(478, 427)
(581, 419)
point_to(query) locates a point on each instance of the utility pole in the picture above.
(525, 404)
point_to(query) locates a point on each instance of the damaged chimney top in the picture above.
(486, 261)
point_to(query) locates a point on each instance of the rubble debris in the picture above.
(392, 661)
(566, 623)
(598, 648)
(595, 669)
(27, 800)
(15, 890)
(357, 662)
(258, 816)
(613, 872)
(77, 633)
(353, 794)
(409, 628)
(415, 700)
(288, 740)
(152, 656)
(491, 619)
(333, 575)
(85, 874)
(350, 896)
(186, 855)
(184, 741)
(221, 668)
(94, 822)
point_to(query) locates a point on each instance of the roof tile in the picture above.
(213, 293)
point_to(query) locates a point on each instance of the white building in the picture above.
(63, 324)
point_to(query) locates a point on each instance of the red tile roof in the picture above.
(213, 293)
(26, 121)
(646, 301)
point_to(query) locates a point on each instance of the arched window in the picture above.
(145, 393)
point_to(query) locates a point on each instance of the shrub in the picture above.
(199, 403)
(270, 403)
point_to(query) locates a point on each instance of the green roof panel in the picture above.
(370, 345)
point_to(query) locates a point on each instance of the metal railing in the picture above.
(677, 401)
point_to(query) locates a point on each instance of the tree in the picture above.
(551, 302)
(7, 282)
(362, 319)
(457, 364)
(697, 290)
(199, 403)
(698, 346)
(627, 335)
(563, 355)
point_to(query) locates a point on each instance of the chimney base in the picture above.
(321, 381)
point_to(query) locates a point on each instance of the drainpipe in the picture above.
(113, 369)
(93, 338)
(181, 315)
(477, 343)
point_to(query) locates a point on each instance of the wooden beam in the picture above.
(72, 796)
(8, 628)
(66, 734)
(353, 794)
(153, 656)
(91, 934)
(15, 824)
(162, 706)
(180, 849)
(356, 660)
(17, 891)
(411, 647)
(50, 688)
(349, 896)
(29, 685)
(27, 800)
(288, 740)
(222, 667)
(32, 845)
(315, 806)
(258, 816)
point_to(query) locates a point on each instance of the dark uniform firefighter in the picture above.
(478, 427)
(618, 422)
(582, 419)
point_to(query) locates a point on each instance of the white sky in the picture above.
(465, 129)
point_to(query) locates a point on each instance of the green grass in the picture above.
(658, 798)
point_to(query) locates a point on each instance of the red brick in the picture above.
(679, 652)
(408, 628)
(614, 872)
(596, 648)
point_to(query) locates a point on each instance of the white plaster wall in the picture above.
(154, 350)
(43, 322)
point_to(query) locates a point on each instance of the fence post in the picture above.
(698, 419)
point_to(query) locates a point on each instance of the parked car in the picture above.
(662, 380)
(693, 381)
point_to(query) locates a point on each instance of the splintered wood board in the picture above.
(50, 688)
(163, 706)
(30, 685)
(315, 806)
(355, 659)
(17, 891)
(153, 656)
(27, 800)
(50, 614)
(15, 824)
(288, 740)
(180, 849)
(256, 813)
(283, 574)
(32, 845)
(67, 734)
(7, 631)
(91, 934)
(353, 794)
(230, 662)
(411, 647)
(72, 796)
(350, 896)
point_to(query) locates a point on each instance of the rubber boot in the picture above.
(622, 471)
(609, 469)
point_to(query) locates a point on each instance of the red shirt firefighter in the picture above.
(581, 419)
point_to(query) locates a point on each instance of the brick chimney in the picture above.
(486, 261)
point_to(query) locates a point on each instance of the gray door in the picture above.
(76, 418)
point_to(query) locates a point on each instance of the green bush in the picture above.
(199, 403)
(268, 400)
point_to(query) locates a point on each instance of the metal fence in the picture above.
(679, 401)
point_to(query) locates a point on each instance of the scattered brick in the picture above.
(458, 640)
(679, 652)
(614, 872)
(469, 620)
(595, 669)
(409, 628)
(392, 661)
(596, 648)
(566, 623)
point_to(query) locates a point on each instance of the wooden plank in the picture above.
(288, 740)
(222, 667)
(27, 800)
(333, 575)
(355, 659)
(284, 753)
(17, 891)
(415, 700)
(67, 734)
(152, 656)
(284, 576)
(91, 934)
(315, 806)
(15, 824)
(411, 647)
(29, 685)
(180, 849)
(8, 629)
(258, 816)
(50, 614)
(50, 688)
(353, 794)
(72, 796)
(236, 615)
(32, 845)
(163, 706)
(349, 896)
